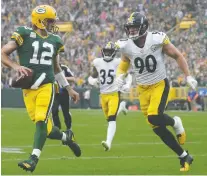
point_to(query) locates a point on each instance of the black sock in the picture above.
(56, 121)
(55, 133)
(168, 120)
(168, 138)
(67, 119)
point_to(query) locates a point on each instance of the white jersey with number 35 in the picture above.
(106, 74)
(148, 62)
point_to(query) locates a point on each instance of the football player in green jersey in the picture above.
(38, 48)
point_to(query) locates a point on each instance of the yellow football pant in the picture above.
(110, 104)
(39, 103)
(154, 98)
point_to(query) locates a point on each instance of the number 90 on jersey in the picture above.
(149, 64)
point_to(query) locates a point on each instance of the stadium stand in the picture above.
(92, 23)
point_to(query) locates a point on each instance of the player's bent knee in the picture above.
(160, 131)
(111, 118)
(156, 120)
(49, 124)
(39, 118)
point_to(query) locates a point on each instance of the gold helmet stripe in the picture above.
(131, 18)
(108, 45)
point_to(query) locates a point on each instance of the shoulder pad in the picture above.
(117, 60)
(121, 43)
(20, 33)
(56, 35)
(158, 36)
(23, 30)
(158, 33)
(58, 38)
(96, 61)
(124, 39)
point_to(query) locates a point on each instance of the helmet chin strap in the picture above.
(140, 41)
(137, 36)
(53, 30)
(44, 26)
(143, 34)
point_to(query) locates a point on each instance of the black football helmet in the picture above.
(139, 23)
(109, 51)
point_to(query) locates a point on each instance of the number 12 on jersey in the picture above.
(44, 54)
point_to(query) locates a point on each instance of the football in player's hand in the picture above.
(23, 81)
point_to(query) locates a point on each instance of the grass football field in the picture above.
(136, 149)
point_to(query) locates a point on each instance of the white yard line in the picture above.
(97, 144)
(103, 157)
(151, 135)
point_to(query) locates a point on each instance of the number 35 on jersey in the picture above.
(106, 72)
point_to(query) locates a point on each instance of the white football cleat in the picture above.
(179, 130)
(125, 110)
(122, 108)
(105, 145)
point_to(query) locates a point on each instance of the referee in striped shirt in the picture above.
(62, 99)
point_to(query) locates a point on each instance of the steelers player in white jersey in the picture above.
(105, 70)
(144, 52)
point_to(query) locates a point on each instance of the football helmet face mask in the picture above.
(44, 17)
(136, 26)
(109, 51)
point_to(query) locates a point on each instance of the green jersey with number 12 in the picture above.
(37, 52)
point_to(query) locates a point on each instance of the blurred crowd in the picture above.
(100, 21)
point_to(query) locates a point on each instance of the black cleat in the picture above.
(30, 164)
(185, 163)
(71, 143)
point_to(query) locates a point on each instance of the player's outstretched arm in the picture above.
(126, 87)
(94, 72)
(173, 52)
(93, 79)
(5, 52)
(123, 65)
(122, 71)
(71, 79)
(61, 79)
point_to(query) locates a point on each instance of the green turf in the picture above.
(135, 150)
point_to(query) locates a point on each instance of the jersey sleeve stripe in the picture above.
(70, 72)
(61, 49)
(17, 38)
(67, 69)
(166, 40)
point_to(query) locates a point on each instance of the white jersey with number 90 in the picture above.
(148, 62)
